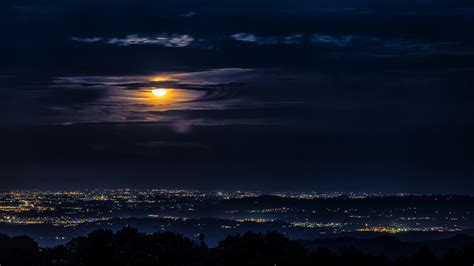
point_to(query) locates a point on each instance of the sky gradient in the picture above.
(346, 95)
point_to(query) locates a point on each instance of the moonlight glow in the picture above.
(159, 92)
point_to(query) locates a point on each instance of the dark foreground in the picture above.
(129, 247)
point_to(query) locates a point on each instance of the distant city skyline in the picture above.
(54, 217)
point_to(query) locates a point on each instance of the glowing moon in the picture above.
(159, 92)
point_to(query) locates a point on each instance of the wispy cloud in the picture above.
(167, 40)
(296, 38)
(245, 37)
(188, 14)
(128, 98)
(253, 38)
(87, 40)
(339, 41)
(164, 39)
(363, 45)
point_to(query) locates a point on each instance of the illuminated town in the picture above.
(302, 215)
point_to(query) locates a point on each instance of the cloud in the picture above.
(253, 38)
(127, 98)
(351, 45)
(188, 14)
(295, 38)
(187, 80)
(380, 46)
(245, 37)
(87, 40)
(164, 39)
(360, 45)
(339, 41)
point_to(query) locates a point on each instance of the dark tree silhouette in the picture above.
(270, 249)
(19, 250)
(128, 247)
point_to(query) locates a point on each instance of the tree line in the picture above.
(128, 247)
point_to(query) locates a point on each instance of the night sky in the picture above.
(324, 95)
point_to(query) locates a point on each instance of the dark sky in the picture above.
(325, 95)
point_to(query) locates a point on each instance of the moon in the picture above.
(159, 92)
